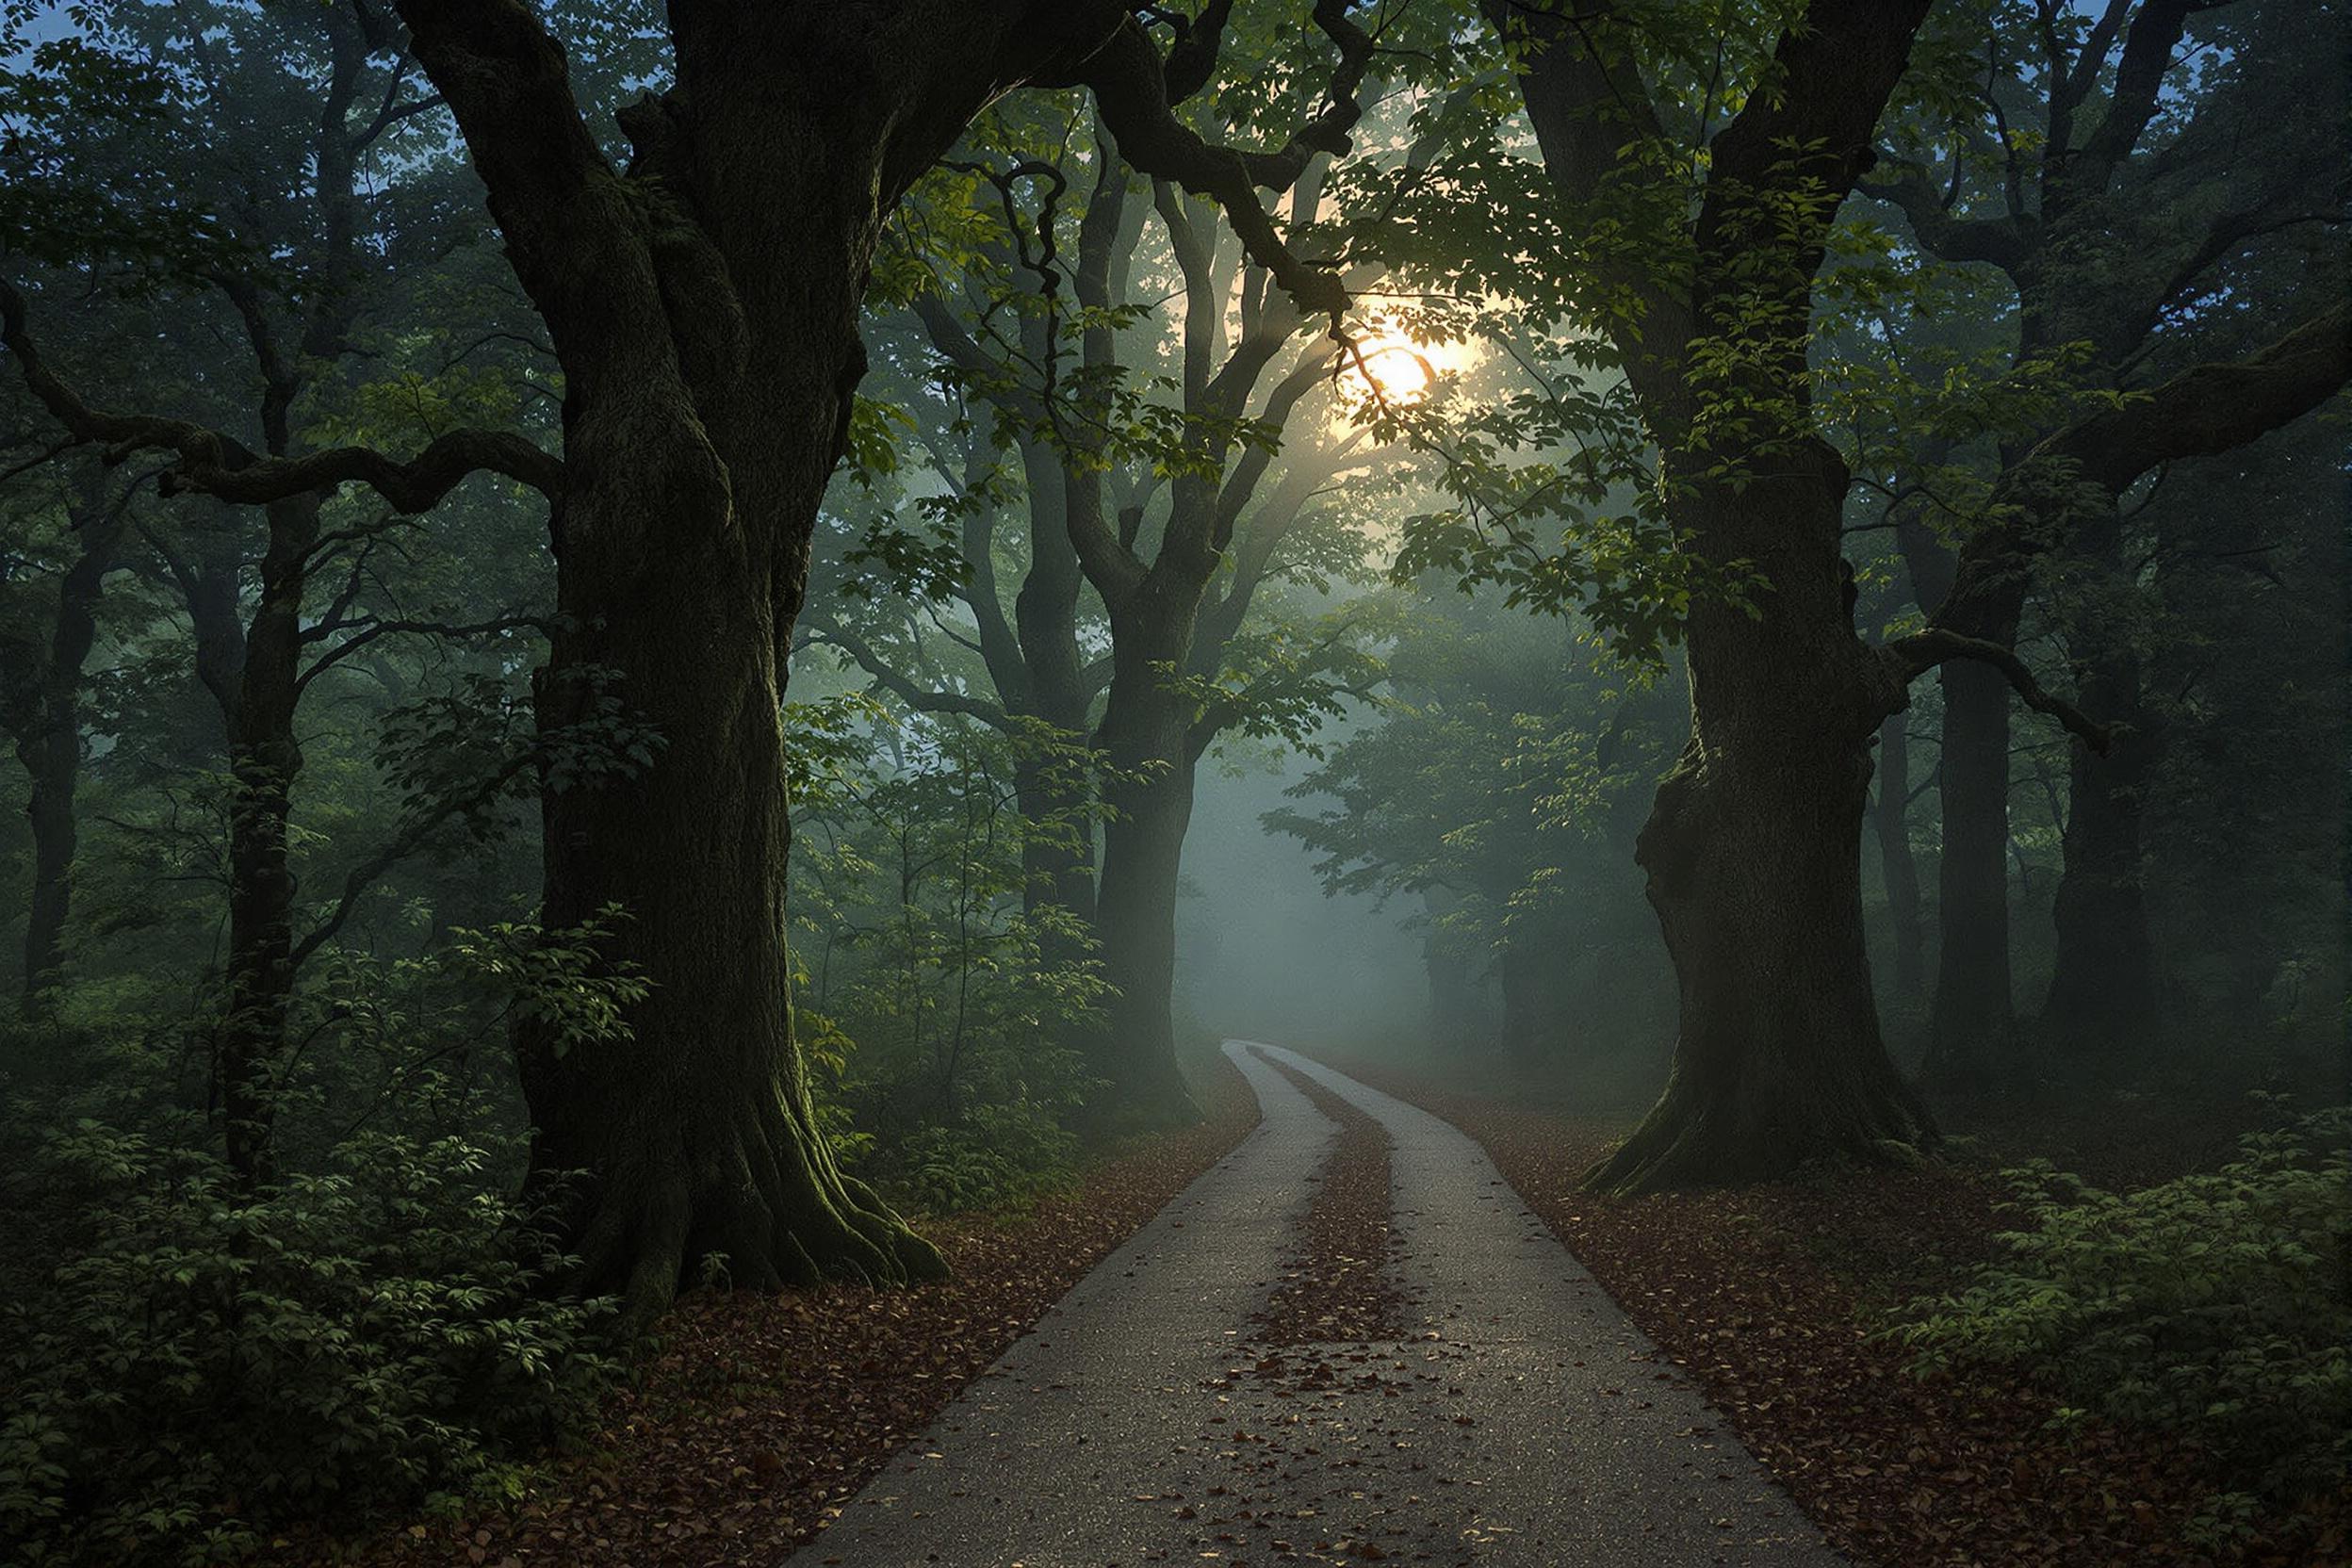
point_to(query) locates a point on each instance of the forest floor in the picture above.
(1362, 1294)
(1770, 1297)
(763, 1414)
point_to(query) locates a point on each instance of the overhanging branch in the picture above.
(218, 464)
(921, 698)
(1131, 89)
(1921, 651)
(2212, 408)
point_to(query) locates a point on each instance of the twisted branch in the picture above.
(219, 464)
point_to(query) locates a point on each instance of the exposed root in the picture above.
(1689, 1140)
(748, 1202)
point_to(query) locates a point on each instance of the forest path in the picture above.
(1520, 1419)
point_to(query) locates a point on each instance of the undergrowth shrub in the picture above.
(938, 1009)
(998, 1156)
(187, 1360)
(2217, 1305)
(209, 1360)
(212, 1362)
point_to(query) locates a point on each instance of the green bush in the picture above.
(938, 1010)
(208, 1360)
(2218, 1305)
(997, 1156)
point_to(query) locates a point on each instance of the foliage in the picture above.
(191, 1358)
(2217, 1305)
(1502, 785)
(942, 1001)
(994, 1156)
(212, 1359)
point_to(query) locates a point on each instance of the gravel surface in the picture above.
(1517, 1418)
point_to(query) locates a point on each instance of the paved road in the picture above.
(1525, 1421)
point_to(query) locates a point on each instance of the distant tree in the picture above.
(2112, 165)
(43, 655)
(298, 229)
(1502, 783)
(1159, 515)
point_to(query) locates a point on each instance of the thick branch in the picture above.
(2138, 91)
(374, 631)
(1591, 111)
(2002, 243)
(1814, 120)
(220, 465)
(574, 235)
(1913, 656)
(1312, 369)
(2211, 408)
(923, 699)
(1130, 89)
(407, 841)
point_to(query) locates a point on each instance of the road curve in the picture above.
(1523, 1420)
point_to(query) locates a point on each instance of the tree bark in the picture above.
(1059, 862)
(693, 1145)
(1136, 918)
(1149, 755)
(2102, 998)
(1970, 1016)
(1971, 1020)
(1753, 851)
(49, 739)
(1899, 869)
(265, 761)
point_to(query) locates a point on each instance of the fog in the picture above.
(1264, 954)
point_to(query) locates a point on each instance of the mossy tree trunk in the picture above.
(1753, 851)
(1753, 848)
(704, 305)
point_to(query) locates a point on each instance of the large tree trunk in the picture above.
(2102, 989)
(1149, 748)
(265, 761)
(693, 1143)
(50, 745)
(1143, 849)
(698, 439)
(1055, 793)
(1754, 851)
(1898, 869)
(1971, 1018)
